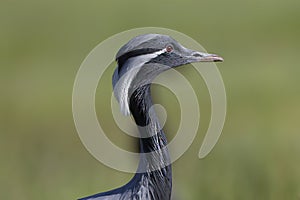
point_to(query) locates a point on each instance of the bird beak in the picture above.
(206, 57)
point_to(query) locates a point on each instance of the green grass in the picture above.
(42, 45)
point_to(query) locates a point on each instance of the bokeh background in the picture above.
(42, 44)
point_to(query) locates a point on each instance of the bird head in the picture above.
(144, 57)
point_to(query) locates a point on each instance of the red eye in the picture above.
(169, 48)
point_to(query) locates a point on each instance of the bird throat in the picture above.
(155, 159)
(152, 135)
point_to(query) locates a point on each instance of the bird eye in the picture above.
(169, 48)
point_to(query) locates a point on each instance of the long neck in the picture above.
(155, 159)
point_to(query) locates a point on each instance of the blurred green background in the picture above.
(42, 44)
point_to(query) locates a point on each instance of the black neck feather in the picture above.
(161, 178)
(140, 104)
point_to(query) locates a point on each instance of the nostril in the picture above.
(197, 55)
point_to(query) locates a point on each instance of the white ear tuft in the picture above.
(121, 89)
(122, 82)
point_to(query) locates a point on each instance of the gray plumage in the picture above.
(139, 62)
